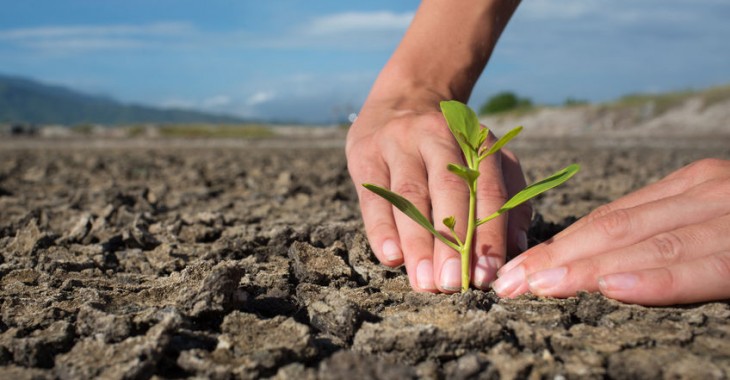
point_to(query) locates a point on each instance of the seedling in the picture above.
(464, 125)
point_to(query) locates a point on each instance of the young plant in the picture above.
(464, 125)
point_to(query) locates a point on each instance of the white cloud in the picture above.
(260, 98)
(154, 29)
(360, 21)
(76, 38)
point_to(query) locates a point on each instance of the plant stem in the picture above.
(465, 250)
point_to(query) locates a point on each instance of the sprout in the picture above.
(464, 125)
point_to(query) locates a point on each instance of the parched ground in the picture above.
(248, 260)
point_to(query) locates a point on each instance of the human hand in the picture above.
(668, 243)
(407, 149)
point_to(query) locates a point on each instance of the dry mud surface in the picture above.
(249, 261)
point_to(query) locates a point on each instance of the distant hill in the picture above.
(704, 112)
(29, 101)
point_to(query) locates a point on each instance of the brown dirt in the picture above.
(249, 261)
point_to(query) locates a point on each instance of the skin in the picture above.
(665, 244)
(400, 141)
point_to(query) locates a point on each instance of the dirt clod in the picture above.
(211, 262)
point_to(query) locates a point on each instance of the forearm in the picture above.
(443, 52)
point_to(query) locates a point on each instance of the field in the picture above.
(246, 259)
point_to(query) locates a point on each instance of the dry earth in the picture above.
(247, 260)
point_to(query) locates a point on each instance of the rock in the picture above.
(108, 328)
(39, 348)
(249, 347)
(330, 310)
(134, 357)
(434, 332)
(345, 364)
(321, 266)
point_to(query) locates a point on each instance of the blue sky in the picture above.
(314, 61)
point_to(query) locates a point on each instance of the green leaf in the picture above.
(462, 121)
(534, 190)
(483, 134)
(469, 175)
(450, 222)
(501, 142)
(410, 210)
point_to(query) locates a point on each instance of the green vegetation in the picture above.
(503, 102)
(471, 137)
(661, 103)
(216, 131)
(83, 129)
(715, 95)
(572, 102)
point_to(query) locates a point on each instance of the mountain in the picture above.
(29, 101)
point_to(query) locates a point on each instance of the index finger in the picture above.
(491, 238)
(377, 213)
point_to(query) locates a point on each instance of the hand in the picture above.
(407, 149)
(668, 243)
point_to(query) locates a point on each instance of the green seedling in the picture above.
(471, 137)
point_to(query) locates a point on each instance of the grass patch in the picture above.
(660, 103)
(715, 95)
(245, 131)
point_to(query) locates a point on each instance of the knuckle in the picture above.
(721, 264)
(667, 247)
(707, 168)
(413, 191)
(448, 182)
(600, 211)
(491, 190)
(615, 224)
(378, 228)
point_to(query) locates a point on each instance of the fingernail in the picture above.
(391, 251)
(522, 240)
(485, 271)
(618, 281)
(424, 275)
(509, 282)
(451, 275)
(546, 279)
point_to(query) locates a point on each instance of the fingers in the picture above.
(520, 217)
(408, 178)
(449, 197)
(490, 242)
(662, 250)
(675, 183)
(618, 229)
(377, 213)
(702, 279)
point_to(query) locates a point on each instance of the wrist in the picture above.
(399, 89)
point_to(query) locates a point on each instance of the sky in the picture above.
(314, 61)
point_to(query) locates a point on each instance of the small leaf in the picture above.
(469, 175)
(450, 222)
(462, 121)
(410, 210)
(501, 142)
(534, 190)
(483, 134)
